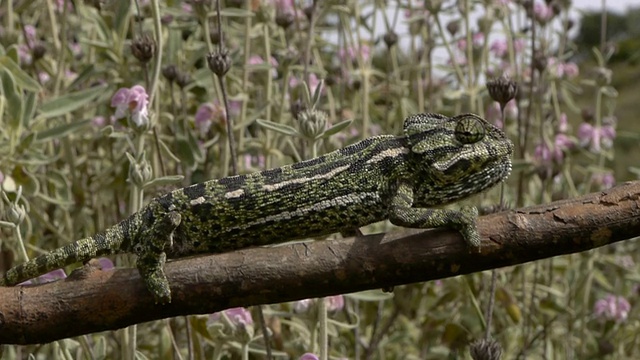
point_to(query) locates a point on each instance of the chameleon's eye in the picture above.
(469, 130)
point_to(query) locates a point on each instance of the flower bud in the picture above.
(312, 123)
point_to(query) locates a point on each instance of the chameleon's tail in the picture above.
(103, 243)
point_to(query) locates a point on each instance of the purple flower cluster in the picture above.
(132, 102)
(612, 307)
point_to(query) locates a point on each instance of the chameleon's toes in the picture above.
(469, 231)
(161, 292)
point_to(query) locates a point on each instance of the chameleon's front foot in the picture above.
(467, 226)
(403, 214)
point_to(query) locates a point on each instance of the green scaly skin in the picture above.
(436, 161)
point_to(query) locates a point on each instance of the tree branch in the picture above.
(92, 300)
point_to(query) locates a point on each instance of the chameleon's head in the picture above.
(455, 157)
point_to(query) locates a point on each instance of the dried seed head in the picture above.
(539, 61)
(453, 27)
(433, 6)
(502, 89)
(183, 79)
(214, 35)
(170, 72)
(390, 38)
(143, 48)
(219, 62)
(587, 115)
(38, 51)
(284, 19)
(485, 350)
(308, 11)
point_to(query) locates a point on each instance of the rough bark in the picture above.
(92, 300)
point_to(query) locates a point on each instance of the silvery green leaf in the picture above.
(164, 180)
(67, 103)
(280, 128)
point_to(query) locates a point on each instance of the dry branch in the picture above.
(92, 300)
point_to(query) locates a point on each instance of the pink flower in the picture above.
(596, 138)
(51, 276)
(500, 47)
(302, 306)
(604, 180)
(563, 125)
(186, 7)
(563, 70)
(258, 60)
(44, 77)
(207, 114)
(351, 53)
(60, 5)
(132, 101)
(545, 153)
(334, 303)
(612, 308)
(308, 356)
(542, 12)
(105, 264)
(284, 6)
(254, 161)
(99, 121)
(477, 39)
(30, 35)
(313, 82)
(237, 316)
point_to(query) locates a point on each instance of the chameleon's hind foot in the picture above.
(151, 255)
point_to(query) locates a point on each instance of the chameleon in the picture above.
(405, 179)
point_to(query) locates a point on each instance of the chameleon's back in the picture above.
(340, 191)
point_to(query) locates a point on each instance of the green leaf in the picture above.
(610, 91)
(164, 149)
(164, 180)
(336, 128)
(55, 201)
(235, 12)
(66, 103)
(22, 78)
(85, 75)
(280, 128)
(14, 101)
(29, 108)
(317, 94)
(370, 295)
(61, 131)
(184, 151)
